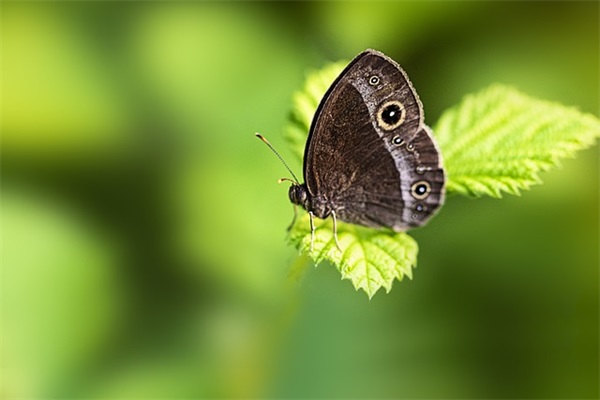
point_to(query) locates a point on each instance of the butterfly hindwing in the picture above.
(369, 156)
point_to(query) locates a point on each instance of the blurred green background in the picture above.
(144, 249)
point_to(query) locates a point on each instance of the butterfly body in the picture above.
(319, 206)
(370, 159)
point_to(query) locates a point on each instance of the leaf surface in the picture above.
(369, 258)
(499, 140)
(495, 141)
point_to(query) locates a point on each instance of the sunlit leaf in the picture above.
(495, 141)
(370, 258)
(498, 140)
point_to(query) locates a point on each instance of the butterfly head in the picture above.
(299, 195)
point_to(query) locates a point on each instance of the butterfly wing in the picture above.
(369, 156)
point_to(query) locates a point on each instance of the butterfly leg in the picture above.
(312, 230)
(337, 244)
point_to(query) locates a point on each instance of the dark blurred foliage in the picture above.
(144, 245)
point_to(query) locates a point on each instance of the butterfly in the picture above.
(369, 158)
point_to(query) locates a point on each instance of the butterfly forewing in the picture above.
(369, 157)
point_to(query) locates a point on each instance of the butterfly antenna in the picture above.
(265, 141)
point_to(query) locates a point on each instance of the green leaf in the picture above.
(305, 103)
(495, 141)
(499, 140)
(370, 258)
